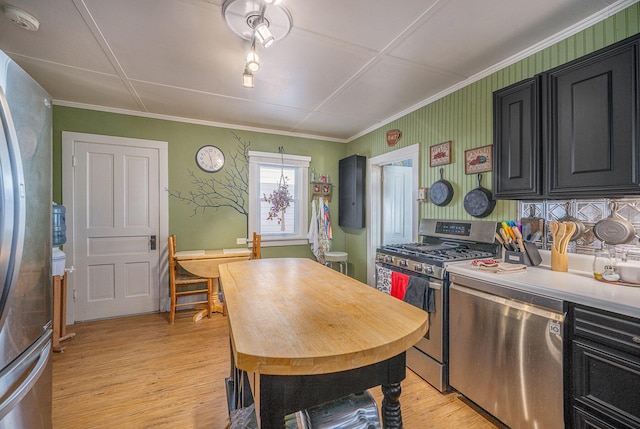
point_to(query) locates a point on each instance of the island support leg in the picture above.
(391, 413)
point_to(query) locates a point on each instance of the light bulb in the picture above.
(263, 34)
(253, 63)
(247, 79)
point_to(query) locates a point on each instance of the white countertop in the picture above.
(577, 285)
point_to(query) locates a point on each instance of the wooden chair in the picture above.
(255, 249)
(182, 284)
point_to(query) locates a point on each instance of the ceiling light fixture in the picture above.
(265, 21)
(247, 78)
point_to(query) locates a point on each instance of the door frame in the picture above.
(374, 209)
(68, 197)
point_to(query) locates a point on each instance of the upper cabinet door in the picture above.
(517, 148)
(351, 191)
(592, 129)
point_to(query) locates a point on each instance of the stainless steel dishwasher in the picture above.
(505, 352)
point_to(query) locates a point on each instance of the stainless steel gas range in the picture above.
(442, 242)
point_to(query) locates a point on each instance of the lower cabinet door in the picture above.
(606, 381)
(583, 420)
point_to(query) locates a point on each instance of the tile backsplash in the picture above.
(589, 212)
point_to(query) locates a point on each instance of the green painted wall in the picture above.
(465, 117)
(211, 229)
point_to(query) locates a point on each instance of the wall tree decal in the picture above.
(213, 191)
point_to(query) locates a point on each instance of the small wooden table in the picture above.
(204, 263)
(303, 334)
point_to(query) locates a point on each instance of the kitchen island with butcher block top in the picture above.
(303, 334)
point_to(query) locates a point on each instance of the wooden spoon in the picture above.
(553, 228)
(570, 228)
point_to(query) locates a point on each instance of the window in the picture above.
(264, 174)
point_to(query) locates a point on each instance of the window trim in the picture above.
(301, 163)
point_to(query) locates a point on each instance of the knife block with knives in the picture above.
(517, 250)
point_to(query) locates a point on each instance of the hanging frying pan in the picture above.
(614, 229)
(441, 192)
(479, 202)
(580, 228)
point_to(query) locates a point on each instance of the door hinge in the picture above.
(74, 295)
(73, 160)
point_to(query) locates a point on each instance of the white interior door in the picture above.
(375, 199)
(397, 207)
(117, 241)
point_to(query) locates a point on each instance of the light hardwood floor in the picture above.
(142, 372)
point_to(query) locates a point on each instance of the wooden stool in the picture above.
(340, 258)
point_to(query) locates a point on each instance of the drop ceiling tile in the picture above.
(458, 38)
(301, 71)
(175, 43)
(333, 126)
(389, 87)
(368, 23)
(96, 89)
(214, 108)
(62, 38)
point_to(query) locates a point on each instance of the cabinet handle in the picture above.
(636, 340)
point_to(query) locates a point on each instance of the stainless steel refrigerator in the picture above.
(25, 250)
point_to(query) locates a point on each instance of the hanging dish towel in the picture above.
(399, 283)
(420, 295)
(314, 232)
(383, 279)
(327, 217)
(324, 243)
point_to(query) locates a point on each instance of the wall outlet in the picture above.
(241, 240)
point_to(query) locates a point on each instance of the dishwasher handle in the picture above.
(511, 303)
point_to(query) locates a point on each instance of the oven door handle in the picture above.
(435, 285)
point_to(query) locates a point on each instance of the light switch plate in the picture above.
(241, 240)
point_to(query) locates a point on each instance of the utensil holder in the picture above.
(559, 261)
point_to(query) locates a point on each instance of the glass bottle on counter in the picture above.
(602, 263)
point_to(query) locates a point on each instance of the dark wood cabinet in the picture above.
(573, 131)
(351, 191)
(517, 148)
(605, 369)
(592, 132)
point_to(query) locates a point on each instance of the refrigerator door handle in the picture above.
(6, 216)
(14, 222)
(40, 351)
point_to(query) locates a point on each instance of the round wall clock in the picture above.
(210, 158)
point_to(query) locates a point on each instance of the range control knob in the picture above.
(428, 269)
(417, 267)
(403, 263)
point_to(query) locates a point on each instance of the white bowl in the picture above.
(629, 271)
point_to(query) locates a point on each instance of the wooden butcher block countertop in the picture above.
(294, 316)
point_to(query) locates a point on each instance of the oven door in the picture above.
(431, 343)
(428, 357)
